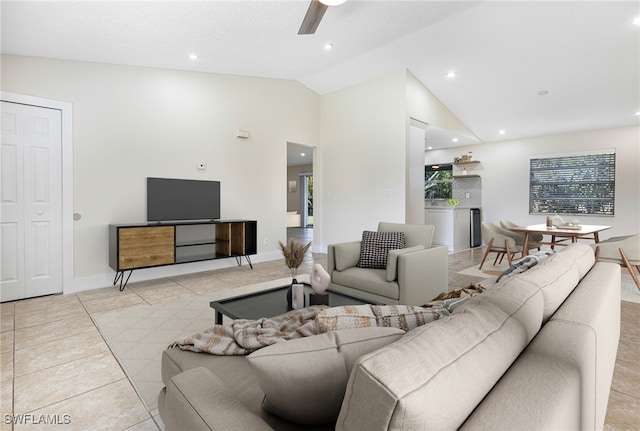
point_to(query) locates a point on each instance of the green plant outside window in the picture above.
(438, 182)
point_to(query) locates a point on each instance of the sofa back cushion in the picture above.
(557, 275)
(436, 374)
(414, 234)
(582, 255)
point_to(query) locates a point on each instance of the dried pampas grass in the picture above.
(293, 254)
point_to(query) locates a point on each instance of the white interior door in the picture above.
(31, 201)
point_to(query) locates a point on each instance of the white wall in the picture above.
(424, 106)
(130, 123)
(360, 175)
(505, 174)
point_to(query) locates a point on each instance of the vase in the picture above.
(290, 294)
(297, 296)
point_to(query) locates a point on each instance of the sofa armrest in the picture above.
(197, 400)
(423, 275)
(342, 256)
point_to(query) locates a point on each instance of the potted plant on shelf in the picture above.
(293, 253)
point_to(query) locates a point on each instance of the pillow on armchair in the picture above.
(375, 246)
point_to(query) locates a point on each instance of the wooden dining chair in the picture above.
(499, 241)
(624, 250)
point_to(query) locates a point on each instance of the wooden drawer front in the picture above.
(145, 246)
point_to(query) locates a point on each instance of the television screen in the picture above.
(174, 199)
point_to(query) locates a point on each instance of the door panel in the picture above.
(31, 200)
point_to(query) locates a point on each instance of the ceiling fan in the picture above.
(314, 14)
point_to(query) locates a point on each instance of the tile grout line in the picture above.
(124, 372)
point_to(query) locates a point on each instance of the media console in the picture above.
(147, 245)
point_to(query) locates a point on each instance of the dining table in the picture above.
(559, 234)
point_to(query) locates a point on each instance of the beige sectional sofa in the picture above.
(534, 351)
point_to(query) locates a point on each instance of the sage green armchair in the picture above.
(414, 275)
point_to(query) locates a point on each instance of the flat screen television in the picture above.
(171, 199)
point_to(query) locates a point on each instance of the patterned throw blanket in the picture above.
(242, 337)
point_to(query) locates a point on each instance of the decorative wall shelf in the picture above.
(466, 163)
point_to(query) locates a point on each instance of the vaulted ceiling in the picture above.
(528, 68)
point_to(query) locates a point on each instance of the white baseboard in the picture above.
(98, 281)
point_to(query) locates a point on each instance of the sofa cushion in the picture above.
(583, 255)
(375, 246)
(189, 397)
(392, 260)
(368, 280)
(433, 391)
(556, 277)
(304, 379)
(414, 234)
(346, 254)
(237, 373)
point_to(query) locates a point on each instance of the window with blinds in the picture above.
(582, 183)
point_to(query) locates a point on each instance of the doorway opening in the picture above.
(299, 192)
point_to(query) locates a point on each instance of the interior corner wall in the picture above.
(424, 106)
(361, 169)
(504, 171)
(133, 122)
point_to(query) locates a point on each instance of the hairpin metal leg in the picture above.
(239, 261)
(120, 277)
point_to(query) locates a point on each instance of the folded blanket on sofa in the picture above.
(243, 336)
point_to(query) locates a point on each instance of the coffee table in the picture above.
(273, 302)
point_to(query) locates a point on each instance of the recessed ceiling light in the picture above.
(332, 2)
(454, 140)
(636, 21)
(451, 74)
(429, 148)
(193, 57)
(302, 154)
(501, 132)
(328, 46)
(638, 113)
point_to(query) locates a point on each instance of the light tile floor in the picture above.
(55, 364)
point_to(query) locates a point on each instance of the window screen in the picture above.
(581, 183)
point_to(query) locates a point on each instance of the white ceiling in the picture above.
(585, 54)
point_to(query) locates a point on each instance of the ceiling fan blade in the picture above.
(313, 17)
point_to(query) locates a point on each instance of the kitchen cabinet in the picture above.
(452, 226)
